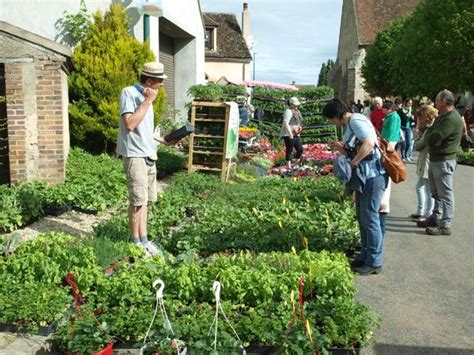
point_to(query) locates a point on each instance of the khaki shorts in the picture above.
(141, 181)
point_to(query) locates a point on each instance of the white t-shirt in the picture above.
(293, 119)
(138, 143)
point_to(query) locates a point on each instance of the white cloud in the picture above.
(293, 37)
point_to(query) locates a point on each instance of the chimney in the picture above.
(246, 23)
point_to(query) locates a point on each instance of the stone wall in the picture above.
(37, 128)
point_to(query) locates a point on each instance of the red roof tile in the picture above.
(373, 15)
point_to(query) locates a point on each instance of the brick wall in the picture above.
(36, 125)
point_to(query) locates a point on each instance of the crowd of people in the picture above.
(435, 131)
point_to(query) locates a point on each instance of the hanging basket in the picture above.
(108, 350)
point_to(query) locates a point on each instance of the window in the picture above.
(209, 38)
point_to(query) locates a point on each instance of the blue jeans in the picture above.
(368, 216)
(425, 200)
(441, 183)
(407, 148)
(383, 222)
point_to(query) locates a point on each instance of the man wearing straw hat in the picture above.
(137, 146)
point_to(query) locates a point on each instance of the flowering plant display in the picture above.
(318, 153)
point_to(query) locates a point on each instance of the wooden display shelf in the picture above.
(209, 120)
(204, 167)
(207, 152)
(207, 136)
(204, 112)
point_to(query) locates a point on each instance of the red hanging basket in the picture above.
(108, 350)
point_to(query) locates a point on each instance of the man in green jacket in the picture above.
(443, 139)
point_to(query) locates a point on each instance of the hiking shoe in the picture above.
(429, 222)
(438, 231)
(357, 263)
(147, 253)
(365, 270)
(152, 249)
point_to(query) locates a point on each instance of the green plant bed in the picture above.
(31, 306)
(265, 215)
(93, 183)
(31, 279)
(259, 293)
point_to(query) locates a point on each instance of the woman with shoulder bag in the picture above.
(391, 133)
(291, 130)
(368, 180)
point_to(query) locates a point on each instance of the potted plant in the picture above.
(85, 336)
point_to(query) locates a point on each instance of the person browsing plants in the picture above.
(425, 118)
(391, 133)
(137, 144)
(443, 139)
(368, 180)
(291, 130)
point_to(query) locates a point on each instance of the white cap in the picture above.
(294, 101)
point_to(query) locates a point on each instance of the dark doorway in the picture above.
(167, 58)
(4, 162)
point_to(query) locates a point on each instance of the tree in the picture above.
(73, 28)
(427, 51)
(436, 49)
(378, 67)
(324, 73)
(106, 61)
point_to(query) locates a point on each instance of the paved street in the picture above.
(426, 291)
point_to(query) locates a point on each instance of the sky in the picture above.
(293, 37)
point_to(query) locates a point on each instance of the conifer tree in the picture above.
(108, 60)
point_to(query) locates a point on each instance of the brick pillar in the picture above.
(36, 123)
(16, 122)
(51, 124)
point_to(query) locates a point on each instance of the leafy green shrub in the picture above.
(466, 158)
(108, 60)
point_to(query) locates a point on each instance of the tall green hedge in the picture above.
(108, 60)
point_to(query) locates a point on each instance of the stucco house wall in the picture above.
(234, 72)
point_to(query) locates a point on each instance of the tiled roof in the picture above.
(373, 15)
(230, 42)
